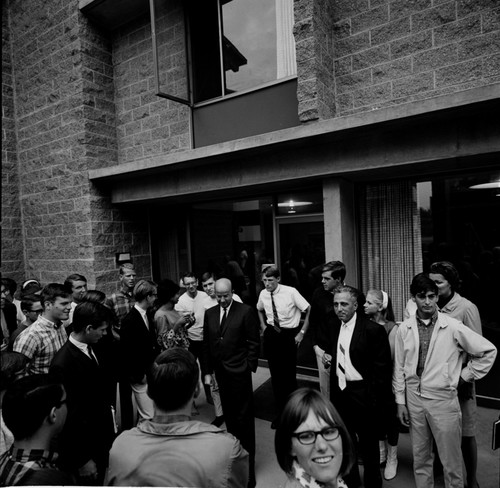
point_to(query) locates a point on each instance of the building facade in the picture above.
(224, 135)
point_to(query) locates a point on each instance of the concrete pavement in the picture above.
(269, 474)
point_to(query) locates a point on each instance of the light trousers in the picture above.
(440, 420)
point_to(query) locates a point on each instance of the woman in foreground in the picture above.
(312, 444)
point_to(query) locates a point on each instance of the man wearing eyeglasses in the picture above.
(32, 309)
(139, 345)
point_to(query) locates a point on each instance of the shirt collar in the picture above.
(81, 345)
(24, 455)
(431, 323)
(45, 321)
(140, 310)
(351, 322)
(227, 308)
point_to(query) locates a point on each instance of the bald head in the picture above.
(224, 292)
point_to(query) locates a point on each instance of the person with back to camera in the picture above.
(172, 449)
(378, 308)
(312, 443)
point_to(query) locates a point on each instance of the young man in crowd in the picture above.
(428, 369)
(77, 285)
(41, 340)
(32, 309)
(171, 449)
(34, 409)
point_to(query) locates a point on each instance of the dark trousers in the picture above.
(236, 394)
(358, 411)
(281, 353)
(196, 349)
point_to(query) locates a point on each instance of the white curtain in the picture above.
(286, 62)
(391, 244)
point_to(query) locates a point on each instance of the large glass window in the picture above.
(238, 45)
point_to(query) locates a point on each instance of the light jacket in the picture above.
(450, 342)
(464, 310)
(177, 451)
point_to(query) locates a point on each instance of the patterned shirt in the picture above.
(34, 467)
(39, 343)
(424, 337)
(121, 303)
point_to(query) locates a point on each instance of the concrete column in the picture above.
(341, 243)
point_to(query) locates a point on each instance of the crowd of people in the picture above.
(102, 389)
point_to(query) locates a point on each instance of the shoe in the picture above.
(391, 465)
(218, 421)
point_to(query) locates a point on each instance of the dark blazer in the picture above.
(89, 430)
(370, 354)
(10, 314)
(236, 347)
(139, 346)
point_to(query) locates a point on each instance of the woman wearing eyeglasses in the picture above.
(312, 444)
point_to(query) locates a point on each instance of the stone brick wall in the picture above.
(12, 244)
(314, 46)
(148, 125)
(392, 52)
(65, 115)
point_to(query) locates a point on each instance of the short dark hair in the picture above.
(28, 301)
(207, 275)
(52, 291)
(28, 401)
(10, 284)
(68, 282)
(272, 272)
(296, 410)
(421, 283)
(336, 268)
(94, 314)
(166, 291)
(188, 274)
(448, 271)
(30, 286)
(354, 292)
(96, 296)
(172, 379)
(11, 363)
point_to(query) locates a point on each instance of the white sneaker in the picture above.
(391, 466)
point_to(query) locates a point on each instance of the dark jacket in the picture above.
(89, 430)
(139, 346)
(236, 347)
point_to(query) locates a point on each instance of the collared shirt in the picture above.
(212, 302)
(186, 305)
(81, 345)
(39, 343)
(121, 303)
(289, 304)
(424, 337)
(143, 315)
(18, 466)
(345, 336)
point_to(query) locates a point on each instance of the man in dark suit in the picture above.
(89, 430)
(231, 344)
(139, 346)
(360, 380)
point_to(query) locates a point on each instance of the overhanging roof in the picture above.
(458, 131)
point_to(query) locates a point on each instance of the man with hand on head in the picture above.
(77, 285)
(231, 351)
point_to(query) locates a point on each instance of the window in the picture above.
(239, 45)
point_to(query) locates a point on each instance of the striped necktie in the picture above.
(276, 320)
(341, 367)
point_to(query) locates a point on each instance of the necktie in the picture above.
(91, 354)
(341, 367)
(276, 320)
(223, 320)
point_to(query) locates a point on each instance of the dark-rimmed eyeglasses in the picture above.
(309, 436)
